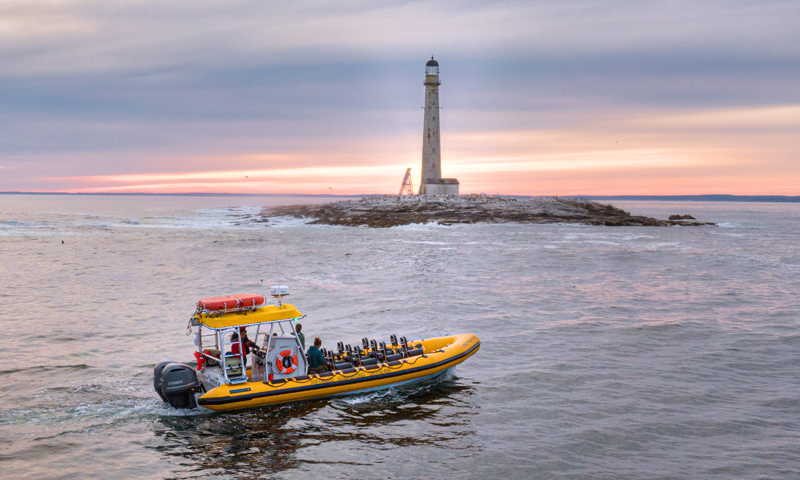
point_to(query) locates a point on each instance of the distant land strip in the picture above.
(696, 198)
(192, 194)
(651, 198)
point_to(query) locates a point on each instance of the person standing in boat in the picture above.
(315, 356)
(246, 343)
(299, 328)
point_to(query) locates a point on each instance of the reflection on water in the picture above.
(606, 352)
(268, 440)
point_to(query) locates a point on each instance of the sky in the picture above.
(538, 98)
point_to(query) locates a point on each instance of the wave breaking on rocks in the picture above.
(392, 210)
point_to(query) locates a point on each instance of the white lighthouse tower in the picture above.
(431, 182)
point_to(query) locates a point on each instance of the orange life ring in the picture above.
(286, 362)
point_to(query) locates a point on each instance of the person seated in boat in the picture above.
(317, 364)
(300, 336)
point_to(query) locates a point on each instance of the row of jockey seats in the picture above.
(370, 352)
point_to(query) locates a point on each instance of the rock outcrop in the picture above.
(391, 211)
(681, 217)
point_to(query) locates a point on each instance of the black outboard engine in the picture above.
(176, 383)
(157, 378)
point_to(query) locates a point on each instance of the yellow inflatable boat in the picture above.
(236, 371)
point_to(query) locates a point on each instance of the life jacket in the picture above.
(235, 349)
(200, 360)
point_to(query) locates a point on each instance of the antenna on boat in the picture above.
(279, 291)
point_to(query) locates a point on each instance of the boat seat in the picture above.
(210, 362)
(396, 356)
(233, 365)
(342, 365)
(368, 361)
(415, 352)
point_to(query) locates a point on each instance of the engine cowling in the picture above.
(157, 378)
(176, 384)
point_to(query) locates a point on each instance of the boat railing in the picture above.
(211, 357)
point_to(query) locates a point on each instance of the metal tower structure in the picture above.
(407, 188)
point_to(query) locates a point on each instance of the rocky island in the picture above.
(393, 210)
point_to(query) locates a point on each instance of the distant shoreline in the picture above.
(641, 198)
(699, 198)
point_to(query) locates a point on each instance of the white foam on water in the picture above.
(366, 398)
(424, 242)
(421, 226)
(290, 222)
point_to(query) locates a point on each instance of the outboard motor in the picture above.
(157, 378)
(176, 384)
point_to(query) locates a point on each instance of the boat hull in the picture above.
(442, 354)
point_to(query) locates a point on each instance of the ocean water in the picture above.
(636, 353)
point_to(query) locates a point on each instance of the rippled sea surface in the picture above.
(635, 353)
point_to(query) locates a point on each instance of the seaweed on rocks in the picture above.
(392, 210)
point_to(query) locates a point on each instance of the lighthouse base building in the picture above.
(431, 181)
(442, 186)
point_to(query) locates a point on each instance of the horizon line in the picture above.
(713, 197)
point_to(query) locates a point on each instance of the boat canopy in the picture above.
(244, 318)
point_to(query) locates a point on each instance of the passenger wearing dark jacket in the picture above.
(300, 336)
(316, 358)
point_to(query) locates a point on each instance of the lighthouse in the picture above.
(431, 181)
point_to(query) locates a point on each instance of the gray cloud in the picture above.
(238, 77)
